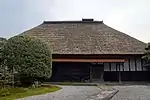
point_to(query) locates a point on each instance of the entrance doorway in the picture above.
(97, 72)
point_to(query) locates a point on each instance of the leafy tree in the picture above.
(2, 43)
(5, 75)
(29, 57)
(146, 56)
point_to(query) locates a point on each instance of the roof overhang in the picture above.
(89, 60)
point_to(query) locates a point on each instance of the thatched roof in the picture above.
(85, 37)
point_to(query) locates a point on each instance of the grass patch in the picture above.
(15, 93)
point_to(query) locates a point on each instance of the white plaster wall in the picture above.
(106, 67)
(139, 67)
(132, 64)
(126, 66)
(113, 66)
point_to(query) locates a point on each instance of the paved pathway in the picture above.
(68, 93)
(135, 92)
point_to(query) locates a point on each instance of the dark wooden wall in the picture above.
(132, 70)
(70, 71)
(127, 76)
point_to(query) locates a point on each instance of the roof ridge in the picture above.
(68, 22)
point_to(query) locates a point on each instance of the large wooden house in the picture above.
(91, 50)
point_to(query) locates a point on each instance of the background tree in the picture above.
(146, 56)
(29, 57)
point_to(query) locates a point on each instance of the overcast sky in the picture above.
(129, 16)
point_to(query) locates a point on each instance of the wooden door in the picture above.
(97, 72)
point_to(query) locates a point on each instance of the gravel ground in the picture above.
(135, 92)
(69, 93)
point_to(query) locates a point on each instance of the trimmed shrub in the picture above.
(29, 57)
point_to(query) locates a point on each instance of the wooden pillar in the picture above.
(102, 73)
(90, 73)
(102, 76)
(119, 74)
(109, 66)
(129, 65)
(119, 77)
(142, 65)
(135, 64)
(122, 66)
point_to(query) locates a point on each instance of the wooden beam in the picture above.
(89, 60)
